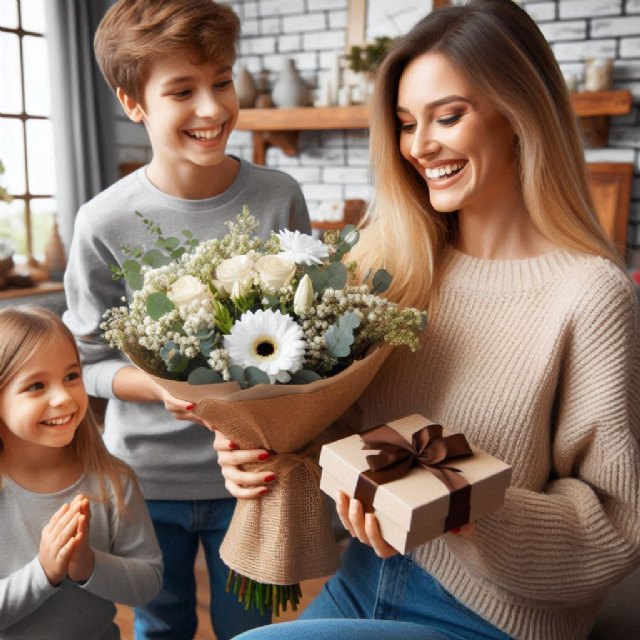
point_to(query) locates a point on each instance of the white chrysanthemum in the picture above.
(302, 248)
(268, 340)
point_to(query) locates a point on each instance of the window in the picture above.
(26, 133)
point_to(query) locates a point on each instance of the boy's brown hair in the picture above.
(134, 33)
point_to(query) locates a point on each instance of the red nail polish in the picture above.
(455, 530)
(232, 445)
(264, 456)
(270, 477)
(190, 407)
(263, 491)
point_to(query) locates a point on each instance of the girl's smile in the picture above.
(44, 403)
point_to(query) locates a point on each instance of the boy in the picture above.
(170, 64)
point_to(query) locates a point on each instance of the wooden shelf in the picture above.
(39, 289)
(280, 126)
(601, 103)
(304, 118)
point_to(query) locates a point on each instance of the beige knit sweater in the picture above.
(536, 361)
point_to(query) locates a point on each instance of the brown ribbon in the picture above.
(429, 449)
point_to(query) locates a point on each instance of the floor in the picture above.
(124, 618)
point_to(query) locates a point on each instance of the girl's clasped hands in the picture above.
(64, 544)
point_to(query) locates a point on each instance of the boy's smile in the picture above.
(189, 112)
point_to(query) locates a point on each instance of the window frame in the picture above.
(27, 197)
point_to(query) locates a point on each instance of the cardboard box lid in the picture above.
(419, 497)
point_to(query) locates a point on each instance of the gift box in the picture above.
(418, 478)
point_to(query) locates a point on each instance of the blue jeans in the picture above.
(374, 599)
(180, 525)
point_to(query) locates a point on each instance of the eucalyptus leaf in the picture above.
(173, 359)
(158, 304)
(304, 376)
(381, 281)
(204, 375)
(155, 258)
(169, 244)
(178, 252)
(131, 265)
(254, 376)
(350, 235)
(340, 335)
(134, 279)
(207, 345)
(337, 275)
(237, 374)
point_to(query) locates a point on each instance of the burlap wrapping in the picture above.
(285, 536)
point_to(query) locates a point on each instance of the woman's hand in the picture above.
(361, 525)
(364, 526)
(242, 484)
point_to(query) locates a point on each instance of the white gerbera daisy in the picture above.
(302, 248)
(269, 340)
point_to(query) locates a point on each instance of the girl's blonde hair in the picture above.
(26, 330)
(501, 51)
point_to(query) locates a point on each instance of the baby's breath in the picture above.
(191, 333)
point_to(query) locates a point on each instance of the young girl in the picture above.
(76, 535)
(482, 213)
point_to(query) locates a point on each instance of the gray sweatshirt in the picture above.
(128, 567)
(174, 459)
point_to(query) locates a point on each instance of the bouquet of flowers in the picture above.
(273, 340)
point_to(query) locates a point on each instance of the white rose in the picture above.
(303, 298)
(275, 271)
(187, 289)
(236, 268)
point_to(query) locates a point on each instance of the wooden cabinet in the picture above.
(610, 184)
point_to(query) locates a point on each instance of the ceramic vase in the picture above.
(245, 88)
(290, 90)
(54, 254)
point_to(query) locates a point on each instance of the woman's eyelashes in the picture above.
(445, 121)
(449, 119)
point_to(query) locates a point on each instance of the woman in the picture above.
(482, 213)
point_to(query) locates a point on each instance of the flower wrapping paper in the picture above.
(413, 509)
(285, 536)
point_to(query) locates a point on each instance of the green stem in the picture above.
(261, 596)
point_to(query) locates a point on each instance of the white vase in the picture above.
(290, 90)
(245, 88)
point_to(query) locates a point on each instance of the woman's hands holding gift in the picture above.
(364, 526)
(361, 525)
(242, 484)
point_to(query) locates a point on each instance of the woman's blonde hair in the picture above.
(26, 330)
(500, 50)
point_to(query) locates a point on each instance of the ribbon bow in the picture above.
(428, 449)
